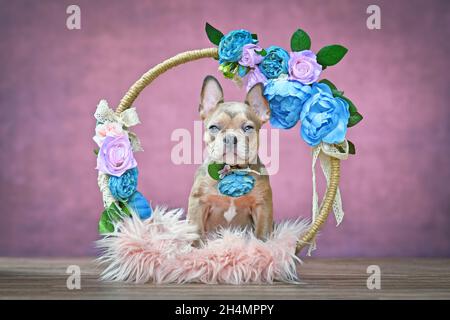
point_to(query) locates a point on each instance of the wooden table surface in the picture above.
(320, 279)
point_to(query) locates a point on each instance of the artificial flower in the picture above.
(250, 58)
(236, 184)
(324, 117)
(140, 205)
(225, 170)
(253, 77)
(115, 156)
(230, 46)
(124, 186)
(303, 67)
(108, 129)
(286, 98)
(275, 62)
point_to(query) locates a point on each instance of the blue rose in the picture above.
(230, 46)
(236, 184)
(275, 62)
(124, 186)
(324, 117)
(286, 98)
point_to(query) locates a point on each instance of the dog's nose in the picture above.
(230, 139)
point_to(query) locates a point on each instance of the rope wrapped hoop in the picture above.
(159, 69)
(332, 186)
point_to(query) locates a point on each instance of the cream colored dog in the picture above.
(231, 137)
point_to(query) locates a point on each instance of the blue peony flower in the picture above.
(324, 117)
(286, 98)
(124, 186)
(230, 46)
(236, 184)
(275, 62)
(140, 205)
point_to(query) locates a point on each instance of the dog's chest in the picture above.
(228, 211)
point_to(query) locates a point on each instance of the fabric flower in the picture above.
(286, 98)
(249, 57)
(115, 156)
(324, 117)
(303, 67)
(275, 62)
(108, 129)
(253, 77)
(230, 46)
(225, 170)
(236, 184)
(124, 186)
(140, 205)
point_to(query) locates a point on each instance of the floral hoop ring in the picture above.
(294, 93)
(188, 56)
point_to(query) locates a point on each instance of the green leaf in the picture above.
(229, 69)
(334, 90)
(330, 55)
(328, 83)
(125, 208)
(351, 107)
(354, 119)
(262, 52)
(214, 168)
(104, 224)
(254, 36)
(351, 147)
(340, 148)
(96, 151)
(300, 41)
(213, 34)
(110, 215)
(355, 116)
(337, 93)
(228, 75)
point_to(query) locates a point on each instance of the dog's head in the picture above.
(232, 128)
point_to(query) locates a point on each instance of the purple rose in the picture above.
(253, 77)
(249, 57)
(303, 67)
(115, 156)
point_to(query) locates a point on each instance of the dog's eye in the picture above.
(214, 129)
(248, 128)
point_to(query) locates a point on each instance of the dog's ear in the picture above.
(256, 100)
(210, 97)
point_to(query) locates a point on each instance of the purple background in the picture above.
(396, 194)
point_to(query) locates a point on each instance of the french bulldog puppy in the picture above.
(231, 137)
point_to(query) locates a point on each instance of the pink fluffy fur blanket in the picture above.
(160, 250)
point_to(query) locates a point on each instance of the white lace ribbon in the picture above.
(127, 118)
(324, 152)
(104, 113)
(103, 180)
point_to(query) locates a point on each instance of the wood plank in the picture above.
(24, 278)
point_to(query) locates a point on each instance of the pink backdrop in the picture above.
(396, 194)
